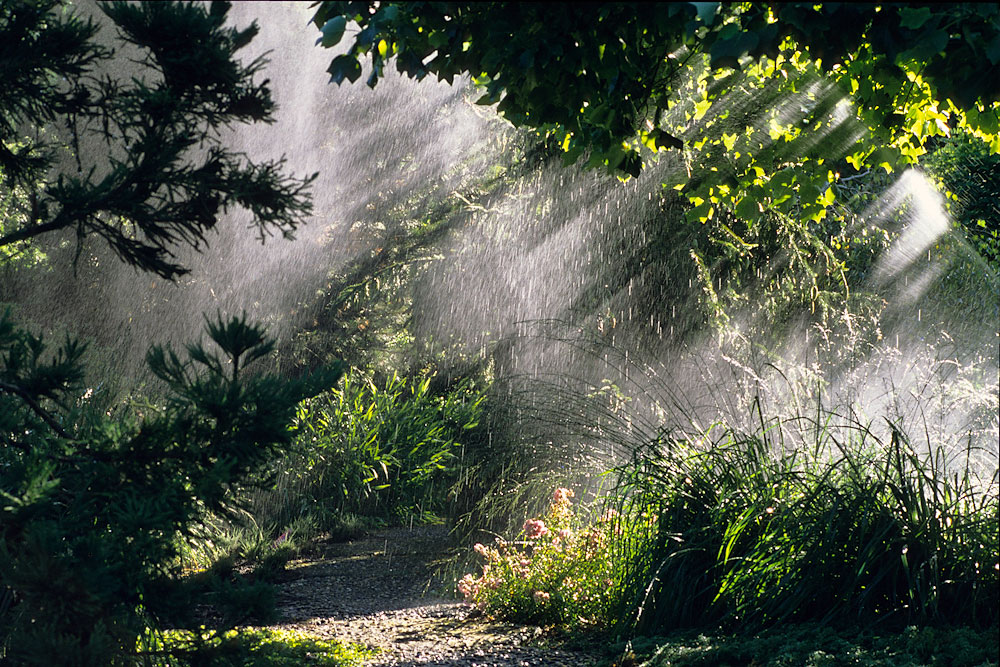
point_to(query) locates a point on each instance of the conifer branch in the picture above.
(36, 408)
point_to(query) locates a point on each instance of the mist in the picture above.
(547, 276)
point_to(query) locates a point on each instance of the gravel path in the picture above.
(371, 591)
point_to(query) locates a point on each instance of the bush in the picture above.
(93, 503)
(558, 571)
(970, 174)
(390, 451)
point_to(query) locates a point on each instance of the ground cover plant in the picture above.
(253, 647)
(557, 571)
(813, 646)
(745, 532)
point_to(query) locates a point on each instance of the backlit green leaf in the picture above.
(332, 30)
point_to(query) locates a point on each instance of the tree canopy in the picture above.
(619, 82)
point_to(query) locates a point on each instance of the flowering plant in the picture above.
(559, 570)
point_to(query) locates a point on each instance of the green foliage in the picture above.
(557, 571)
(93, 502)
(389, 450)
(149, 169)
(602, 71)
(769, 104)
(971, 177)
(226, 545)
(746, 532)
(255, 647)
(97, 499)
(821, 645)
(753, 530)
(12, 215)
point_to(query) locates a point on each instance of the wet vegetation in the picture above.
(729, 399)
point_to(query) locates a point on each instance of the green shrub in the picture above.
(92, 504)
(389, 450)
(558, 571)
(970, 174)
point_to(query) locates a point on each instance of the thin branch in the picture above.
(36, 408)
(851, 178)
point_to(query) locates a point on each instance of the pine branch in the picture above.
(36, 408)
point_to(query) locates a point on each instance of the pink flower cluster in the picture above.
(489, 553)
(468, 586)
(561, 510)
(535, 528)
(558, 565)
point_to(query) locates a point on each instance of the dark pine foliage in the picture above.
(93, 505)
(94, 499)
(130, 151)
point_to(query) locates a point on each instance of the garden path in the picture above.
(372, 591)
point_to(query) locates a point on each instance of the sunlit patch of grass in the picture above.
(252, 647)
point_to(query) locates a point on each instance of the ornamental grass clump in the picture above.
(753, 530)
(557, 572)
